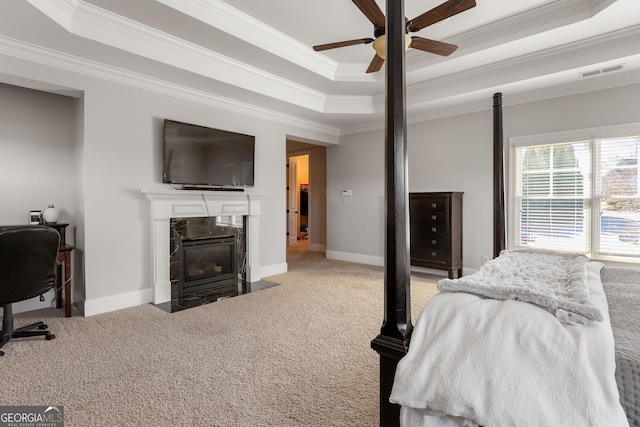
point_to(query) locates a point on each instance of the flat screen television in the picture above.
(198, 156)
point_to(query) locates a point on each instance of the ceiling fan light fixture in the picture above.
(439, 14)
(380, 45)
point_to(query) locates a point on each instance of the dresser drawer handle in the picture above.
(434, 229)
(434, 217)
(434, 205)
(433, 254)
(434, 242)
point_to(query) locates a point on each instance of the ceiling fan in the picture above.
(377, 18)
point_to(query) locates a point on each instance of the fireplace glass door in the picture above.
(209, 266)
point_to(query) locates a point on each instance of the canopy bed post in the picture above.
(498, 178)
(393, 342)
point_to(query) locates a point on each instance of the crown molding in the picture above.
(419, 94)
(51, 58)
(224, 17)
(72, 13)
(345, 104)
(355, 73)
(575, 55)
(91, 22)
(576, 88)
(100, 25)
(85, 18)
(235, 22)
(434, 112)
(544, 18)
(177, 91)
(547, 17)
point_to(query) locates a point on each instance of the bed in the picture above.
(480, 358)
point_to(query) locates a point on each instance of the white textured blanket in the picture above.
(554, 281)
(494, 363)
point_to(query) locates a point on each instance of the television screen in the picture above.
(201, 156)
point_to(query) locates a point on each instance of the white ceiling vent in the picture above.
(602, 71)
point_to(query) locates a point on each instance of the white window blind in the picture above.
(553, 196)
(617, 198)
(579, 196)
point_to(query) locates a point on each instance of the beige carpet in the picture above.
(297, 354)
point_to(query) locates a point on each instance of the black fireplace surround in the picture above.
(207, 260)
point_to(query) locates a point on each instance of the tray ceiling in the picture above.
(258, 55)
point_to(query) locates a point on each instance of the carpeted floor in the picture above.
(297, 354)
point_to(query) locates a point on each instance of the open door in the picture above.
(292, 204)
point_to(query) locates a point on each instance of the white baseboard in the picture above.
(357, 258)
(117, 302)
(131, 299)
(379, 261)
(272, 270)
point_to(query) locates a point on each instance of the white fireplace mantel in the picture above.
(167, 204)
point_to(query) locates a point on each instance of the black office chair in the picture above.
(28, 256)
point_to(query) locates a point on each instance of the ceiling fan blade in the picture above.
(376, 64)
(372, 11)
(432, 46)
(341, 44)
(440, 13)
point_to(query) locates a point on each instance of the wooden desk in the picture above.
(63, 279)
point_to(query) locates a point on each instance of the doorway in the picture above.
(306, 196)
(297, 199)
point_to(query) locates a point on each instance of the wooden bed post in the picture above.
(499, 242)
(393, 342)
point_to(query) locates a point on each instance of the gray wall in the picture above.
(318, 198)
(450, 154)
(108, 150)
(37, 161)
(106, 147)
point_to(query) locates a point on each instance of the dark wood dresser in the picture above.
(436, 231)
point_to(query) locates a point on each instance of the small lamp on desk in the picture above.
(50, 215)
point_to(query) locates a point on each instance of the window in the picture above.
(577, 191)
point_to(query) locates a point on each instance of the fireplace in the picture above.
(169, 206)
(207, 261)
(208, 266)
